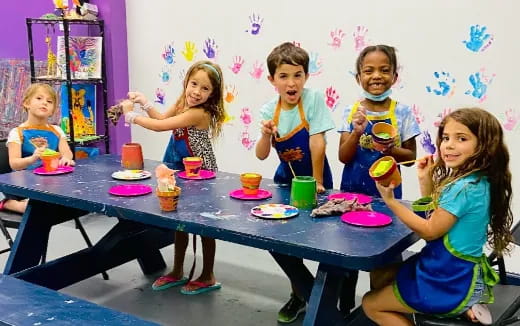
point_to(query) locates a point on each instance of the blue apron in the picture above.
(294, 147)
(355, 177)
(441, 281)
(177, 149)
(33, 137)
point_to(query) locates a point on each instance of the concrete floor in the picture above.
(253, 286)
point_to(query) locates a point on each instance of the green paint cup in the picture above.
(303, 192)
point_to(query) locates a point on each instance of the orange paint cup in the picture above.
(378, 130)
(168, 200)
(132, 156)
(388, 175)
(50, 162)
(250, 183)
(192, 166)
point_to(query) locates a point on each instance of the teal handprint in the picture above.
(445, 82)
(479, 88)
(314, 64)
(169, 54)
(478, 39)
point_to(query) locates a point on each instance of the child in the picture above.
(29, 140)
(197, 115)
(471, 185)
(294, 123)
(376, 72)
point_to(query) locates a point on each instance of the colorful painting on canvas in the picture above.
(84, 56)
(83, 109)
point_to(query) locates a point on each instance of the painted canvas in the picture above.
(84, 54)
(83, 109)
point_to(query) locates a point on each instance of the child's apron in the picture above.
(33, 137)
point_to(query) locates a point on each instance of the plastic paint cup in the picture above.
(250, 183)
(168, 199)
(383, 135)
(132, 156)
(423, 206)
(303, 192)
(192, 165)
(50, 162)
(391, 174)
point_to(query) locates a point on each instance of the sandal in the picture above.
(165, 282)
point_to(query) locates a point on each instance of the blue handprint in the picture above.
(426, 143)
(446, 84)
(477, 37)
(479, 88)
(210, 48)
(256, 23)
(314, 64)
(169, 54)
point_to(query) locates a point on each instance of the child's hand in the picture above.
(359, 120)
(66, 162)
(387, 193)
(424, 168)
(127, 106)
(268, 127)
(320, 188)
(137, 97)
(38, 152)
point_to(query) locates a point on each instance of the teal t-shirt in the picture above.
(469, 200)
(316, 112)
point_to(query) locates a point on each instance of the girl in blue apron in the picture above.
(471, 185)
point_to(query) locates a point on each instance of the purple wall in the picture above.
(113, 12)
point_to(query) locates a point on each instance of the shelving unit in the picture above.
(69, 80)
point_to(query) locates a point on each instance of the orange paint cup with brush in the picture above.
(50, 160)
(385, 171)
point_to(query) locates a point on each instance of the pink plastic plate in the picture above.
(203, 175)
(130, 190)
(239, 194)
(366, 218)
(274, 211)
(361, 199)
(59, 170)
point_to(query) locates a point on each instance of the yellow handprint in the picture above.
(189, 51)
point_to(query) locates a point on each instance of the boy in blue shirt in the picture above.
(294, 124)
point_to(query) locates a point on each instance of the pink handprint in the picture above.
(331, 98)
(231, 93)
(245, 116)
(419, 116)
(257, 70)
(238, 61)
(359, 38)
(296, 43)
(337, 37)
(512, 118)
(246, 140)
(441, 116)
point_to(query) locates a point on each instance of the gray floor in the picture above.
(253, 286)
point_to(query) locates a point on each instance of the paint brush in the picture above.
(371, 123)
(290, 167)
(412, 161)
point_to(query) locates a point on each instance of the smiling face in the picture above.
(198, 88)
(457, 145)
(289, 81)
(40, 104)
(376, 73)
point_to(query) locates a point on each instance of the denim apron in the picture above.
(33, 137)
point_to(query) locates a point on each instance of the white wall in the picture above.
(428, 35)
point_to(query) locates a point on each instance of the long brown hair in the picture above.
(215, 102)
(491, 160)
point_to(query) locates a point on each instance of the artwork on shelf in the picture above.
(84, 54)
(83, 109)
(86, 152)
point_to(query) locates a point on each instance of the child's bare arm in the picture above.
(195, 117)
(138, 97)
(263, 145)
(317, 145)
(16, 161)
(347, 146)
(66, 153)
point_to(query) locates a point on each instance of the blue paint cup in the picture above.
(303, 192)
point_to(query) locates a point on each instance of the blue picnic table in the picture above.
(205, 208)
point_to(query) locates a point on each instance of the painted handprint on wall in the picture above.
(165, 75)
(445, 84)
(245, 116)
(426, 142)
(441, 116)
(314, 64)
(479, 40)
(210, 48)
(257, 70)
(231, 93)
(159, 96)
(256, 24)
(190, 50)
(246, 140)
(337, 36)
(331, 98)
(479, 87)
(419, 116)
(399, 81)
(359, 35)
(182, 75)
(238, 61)
(169, 54)
(296, 43)
(511, 120)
